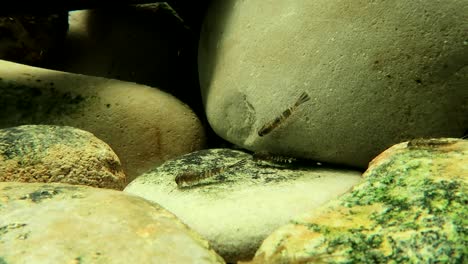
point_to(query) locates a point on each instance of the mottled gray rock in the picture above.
(61, 223)
(235, 202)
(410, 208)
(39, 153)
(378, 73)
(143, 125)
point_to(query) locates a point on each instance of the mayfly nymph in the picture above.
(192, 178)
(266, 156)
(270, 126)
(429, 142)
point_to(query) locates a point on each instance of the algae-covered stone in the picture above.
(236, 202)
(61, 223)
(40, 153)
(410, 208)
(143, 125)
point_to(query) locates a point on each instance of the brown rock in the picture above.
(37, 153)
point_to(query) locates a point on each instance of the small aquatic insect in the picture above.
(258, 156)
(270, 126)
(428, 143)
(192, 178)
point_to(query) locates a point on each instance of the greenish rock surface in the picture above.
(410, 208)
(41, 153)
(378, 73)
(60, 223)
(235, 202)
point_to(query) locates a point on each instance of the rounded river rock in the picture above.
(234, 201)
(61, 223)
(411, 207)
(377, 73)
(40, 153)
(143, 125)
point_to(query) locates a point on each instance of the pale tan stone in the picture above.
(61, 223)
(240, 201)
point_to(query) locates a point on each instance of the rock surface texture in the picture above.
(39, 153)
(410, 208)
(144, 126)
(235, 202)
(61, 223)
(377, 72)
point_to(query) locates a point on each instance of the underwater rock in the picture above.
(377, 72)
(235, 202)
(410, 208)
(143, 125)
(145, 44)
(61, 223)
(40, 153)
(32, 39)
(139, 51)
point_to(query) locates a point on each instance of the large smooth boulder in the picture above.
(377, 72)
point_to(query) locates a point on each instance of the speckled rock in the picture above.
(410, 208)
(39, 153)
(61, 223)
(235, 202)
(144, 126)
(378, 73)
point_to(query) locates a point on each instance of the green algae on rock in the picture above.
(411, 207)
(45, 153)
